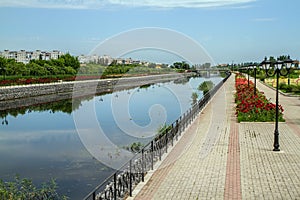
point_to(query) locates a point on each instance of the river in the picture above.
(43, 142)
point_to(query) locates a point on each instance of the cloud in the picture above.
(94, 4)
(67, 4)
(264, 19)
(179, 3)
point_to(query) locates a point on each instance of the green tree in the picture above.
(181, 65)
(206, 86)
(3, 64)
(194, 98)
(37, 70)
(70, 61)
(70, 70)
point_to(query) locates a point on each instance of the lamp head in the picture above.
(288, 62)
(266, 63)
(279, 64)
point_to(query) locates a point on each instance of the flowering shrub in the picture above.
(27, 81)
(254, 108)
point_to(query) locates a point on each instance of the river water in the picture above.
(43, 142)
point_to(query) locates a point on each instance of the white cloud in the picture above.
(68, 4)
(180, 3)
(93, 4)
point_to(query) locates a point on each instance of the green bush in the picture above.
(289, 88)
(194, 97)
(162, 130)
(24, 189)
(206, 86)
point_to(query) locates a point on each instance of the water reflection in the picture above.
(42, 142)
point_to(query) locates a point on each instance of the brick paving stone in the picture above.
(264, 173)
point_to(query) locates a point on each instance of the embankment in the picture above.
(21, 96)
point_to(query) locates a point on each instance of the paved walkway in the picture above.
(217, 158)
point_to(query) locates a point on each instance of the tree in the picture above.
(70, 61)
(70, 70)
(181, 65)
(3, 64)
(194, 98)
(206, 86)
(37, 70)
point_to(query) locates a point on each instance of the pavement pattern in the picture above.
(218, 158)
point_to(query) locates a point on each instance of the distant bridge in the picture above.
(210, 71)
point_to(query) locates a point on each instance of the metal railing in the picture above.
(121, 184)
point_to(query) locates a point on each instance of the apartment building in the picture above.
(103, 60)
(25, 56)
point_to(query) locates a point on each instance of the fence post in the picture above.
(179, 125)
(182, 123)
(152, 154)
(176, 129)
(166, 136)
(115, 186)
(172, 134)
(130, 177)
(143, 173)
(160, 147)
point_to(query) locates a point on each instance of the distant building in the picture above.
(102, 60)
(106, 60)
(55, 54)
(25, 56)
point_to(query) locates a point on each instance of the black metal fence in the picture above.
(121, 184)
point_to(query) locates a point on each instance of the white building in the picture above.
(25, 56)
(102, 60)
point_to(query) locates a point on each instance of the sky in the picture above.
(228, 30)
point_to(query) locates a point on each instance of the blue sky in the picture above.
(229, 30)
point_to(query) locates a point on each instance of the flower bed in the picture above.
(35, 80)
(253, 108)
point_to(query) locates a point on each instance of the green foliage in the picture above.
(162, 130)
(194, 97)
(66, 64)
(223, 74)
(135, 147)
(289, 88)
(23, 189)
(181, 65)
(130, 69)
(206, 86)
(94, 69)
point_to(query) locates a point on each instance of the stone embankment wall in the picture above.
(20, 96)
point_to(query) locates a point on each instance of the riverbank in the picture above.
(12, 97)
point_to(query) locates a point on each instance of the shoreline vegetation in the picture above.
(68, 68)
(25, 189)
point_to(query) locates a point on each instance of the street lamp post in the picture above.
(267, 64)
(253, 66)
(248, 71)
